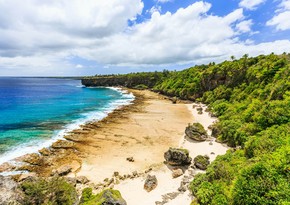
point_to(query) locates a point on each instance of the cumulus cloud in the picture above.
(251, 4)
(282, 16)
(244, 26)
(43, 36)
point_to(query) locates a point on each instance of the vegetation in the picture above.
(108, 196)
(251, 97)
(53, 191)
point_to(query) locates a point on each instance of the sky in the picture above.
(89, 37)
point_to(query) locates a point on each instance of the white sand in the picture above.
(132, 190)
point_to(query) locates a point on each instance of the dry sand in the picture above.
(144, 134)
(132, 190)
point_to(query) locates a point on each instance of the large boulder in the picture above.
(201, 162)
(150, 183)
(196, 132)
(10, 192)
(177, 157)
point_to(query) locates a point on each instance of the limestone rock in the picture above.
(45, 152)
(196, 132)
(201, 162)
(177, 173)
(63, 170)
(150, 183)
(10, 192)
(33, 159)
(177, 157)
(62, 144)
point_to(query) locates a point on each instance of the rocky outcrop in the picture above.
(10, 192)
(201, 162)
(110, 197)
(196, 132)
(177, 157)
(62, 144)
(150, 183)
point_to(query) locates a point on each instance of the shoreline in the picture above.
(142, 130)
(19, 151)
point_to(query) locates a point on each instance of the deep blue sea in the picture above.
(34, 112)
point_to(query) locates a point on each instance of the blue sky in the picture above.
(77, 37)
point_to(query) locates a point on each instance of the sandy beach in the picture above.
(142, 131)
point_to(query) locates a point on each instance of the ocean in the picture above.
(35, 112)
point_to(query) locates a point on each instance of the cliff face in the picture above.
(105, 81)
(129, 80)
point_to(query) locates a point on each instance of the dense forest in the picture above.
(251, 97)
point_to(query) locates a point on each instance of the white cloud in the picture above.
(39, 37)
(164, 1)
(244, 26)
(251, 4)
(281, 18)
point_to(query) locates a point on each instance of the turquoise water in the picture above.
(34, 112)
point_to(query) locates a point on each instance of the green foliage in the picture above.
(109, 194)
(53, 191)
(251, 97)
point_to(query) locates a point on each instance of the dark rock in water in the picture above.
(177, 157)
(201, 162)
(196, 132)
(110, 197)
(150, 183)
(10, 192)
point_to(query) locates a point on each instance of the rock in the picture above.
(177, 157)
(200, 112)
(199, 109)
(135, 173)
(148, 170)
(177, 173)
(150, 183)
(62, 144)
(130, 159)
(212, 153)
(215, 131)
(210, 143)
(26, 176)
(33, 159)
(196, 132)
(109, 197)
(182, 188)
(63, 170)
(82, 180)
(116, 174)
(73, 137)
(10, 192)
(173, 100)
(45, 152)
(5, 167)
(201, 162)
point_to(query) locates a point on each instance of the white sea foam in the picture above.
(34, 146)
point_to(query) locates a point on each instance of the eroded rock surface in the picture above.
(196, 132)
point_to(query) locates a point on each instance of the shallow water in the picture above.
(34, 112)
